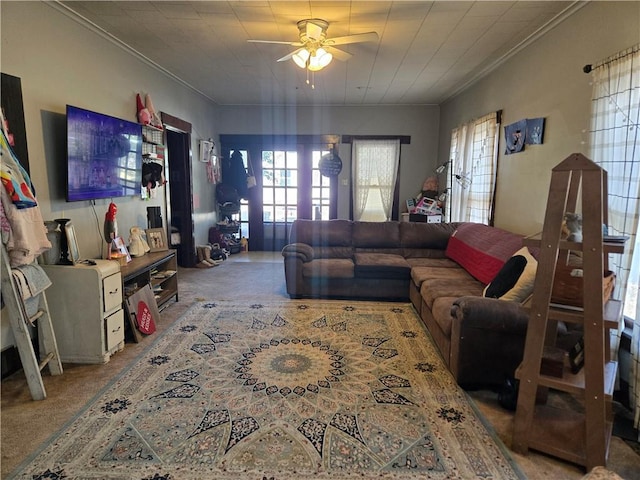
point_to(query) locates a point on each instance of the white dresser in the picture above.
(85, 303)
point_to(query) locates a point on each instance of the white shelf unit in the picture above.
(86, 310)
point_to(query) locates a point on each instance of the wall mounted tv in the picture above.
(104, 156)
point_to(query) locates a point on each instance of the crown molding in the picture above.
(539, 33)
(85, 22)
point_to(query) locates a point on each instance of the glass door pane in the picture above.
(320, 188)
(279, 195)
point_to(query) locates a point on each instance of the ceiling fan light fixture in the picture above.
(301, 57)
(319, 60)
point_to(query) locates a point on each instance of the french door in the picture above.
(289, 186)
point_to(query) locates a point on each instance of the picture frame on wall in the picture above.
(157, 239)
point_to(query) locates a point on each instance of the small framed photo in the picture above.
(72, 242)
(118, 246)
(157, 239)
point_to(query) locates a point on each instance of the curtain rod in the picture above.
(629, 51)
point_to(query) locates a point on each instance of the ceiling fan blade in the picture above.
(288, 57)
(338, 54)
(293, 44)
(357, 38)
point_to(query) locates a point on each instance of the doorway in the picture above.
(179, 196)
(289, 184)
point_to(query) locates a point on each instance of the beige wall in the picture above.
(544, 80)
(60, 62)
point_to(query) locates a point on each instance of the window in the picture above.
(615, 124)
(375, 169)
(473, 170)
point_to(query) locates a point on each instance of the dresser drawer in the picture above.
(114, 329)
(112, 291)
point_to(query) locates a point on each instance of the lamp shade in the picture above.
(321, 59)
(300, 57)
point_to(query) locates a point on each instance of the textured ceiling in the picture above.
(427, 51)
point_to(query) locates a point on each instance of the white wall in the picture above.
(544, 80)
(418, 159)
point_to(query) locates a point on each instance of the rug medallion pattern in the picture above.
(272, 392)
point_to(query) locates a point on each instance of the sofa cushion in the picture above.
(420, 274)
(376, 234)
(432, 262)
(434, 288)
(514, 282)
(325, 251)
(482, 250)
(381, 265)
(328, 232)
(418, 235)
(328, 268)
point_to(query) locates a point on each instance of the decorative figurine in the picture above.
(110, 227)
(138, 246)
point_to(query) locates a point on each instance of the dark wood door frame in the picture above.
(179, 194)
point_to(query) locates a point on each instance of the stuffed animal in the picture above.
(573, 226)
(430, 187)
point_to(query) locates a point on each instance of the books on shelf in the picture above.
(163, 274)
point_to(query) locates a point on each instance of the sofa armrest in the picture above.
(302, 251)
(490, 314)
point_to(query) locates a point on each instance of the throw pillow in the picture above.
(514, 282)
(506, 278)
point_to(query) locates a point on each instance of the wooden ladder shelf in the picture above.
(579, 437)
(20, 322)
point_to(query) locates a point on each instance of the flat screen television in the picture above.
(104, 156)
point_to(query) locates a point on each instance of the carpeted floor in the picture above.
(311, 389)
(246, 279)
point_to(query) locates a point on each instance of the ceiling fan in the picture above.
(315, 51)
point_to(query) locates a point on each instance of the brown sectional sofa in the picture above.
(345, 259)
(481, 339)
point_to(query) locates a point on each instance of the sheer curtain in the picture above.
(375, 168)
(473, 170)
(615, 120)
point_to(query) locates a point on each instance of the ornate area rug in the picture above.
(317, 389)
